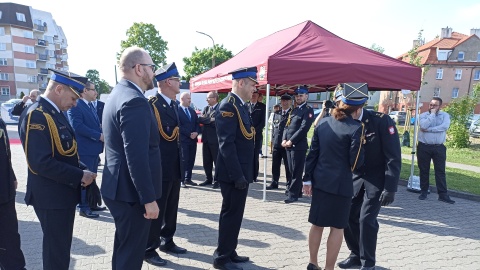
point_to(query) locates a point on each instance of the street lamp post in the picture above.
(213, 52)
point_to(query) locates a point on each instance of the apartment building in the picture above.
(452, 61)
(30, 43)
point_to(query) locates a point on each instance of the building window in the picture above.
(3, 62)
(31, 64)
(37, 22)
(390, 95)
(476, 75)
(29, 49)
(4, 76)
(458, 74)
(5, 91)
(21, 17)
(32, 79)
(52, 66)
(454, 92)
(436, 92)
(49, 39)
(3, 46)
(2, 31)
(439, 73)
(461, 56)
(478, 57)
(28, 34)
(0, 14)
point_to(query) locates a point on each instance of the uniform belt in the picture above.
(430, 144)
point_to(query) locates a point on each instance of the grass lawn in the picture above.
(460, 180)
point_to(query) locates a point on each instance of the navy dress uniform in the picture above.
(374, 185)
(54, 173)
(210, 144)
(279, 152)
(257, 112)
(236, 137)
(299, 121)
(165, 111)
(11, 256)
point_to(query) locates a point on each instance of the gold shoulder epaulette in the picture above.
(231, 99)
(152, 99)
(308, 106)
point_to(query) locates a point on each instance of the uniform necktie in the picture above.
(188, 114)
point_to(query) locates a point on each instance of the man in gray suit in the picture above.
(132, 176)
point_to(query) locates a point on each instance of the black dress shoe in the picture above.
(227, 266)
(156, 260)
(272, 186)
(98, 208)
(205, 183)
(349, 263)
(182, 184)
(291, 200)
(445, 198)
(312, 266)
(190, 182)
(423, 195)
(239, 259)
(216, 185)
(171, 247)
(367, 268)
(88, 214)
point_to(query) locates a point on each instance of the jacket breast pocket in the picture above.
(66, 139)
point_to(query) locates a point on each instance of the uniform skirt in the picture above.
(329, 210)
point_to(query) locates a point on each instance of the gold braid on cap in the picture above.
(246, 134)
(54, 138)
(362, 141)
(175, 132)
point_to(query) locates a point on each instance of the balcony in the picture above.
(42, 57)
(43, 71)
(42, 42)
(41, 28)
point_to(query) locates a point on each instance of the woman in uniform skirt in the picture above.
(336, 150)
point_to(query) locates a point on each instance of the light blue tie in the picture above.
(188, 114)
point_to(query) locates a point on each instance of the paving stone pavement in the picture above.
(413, 234)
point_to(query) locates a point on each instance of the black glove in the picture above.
(241, 184)
(387, 198)
(94, 198)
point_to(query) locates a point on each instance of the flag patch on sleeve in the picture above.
(391, 130)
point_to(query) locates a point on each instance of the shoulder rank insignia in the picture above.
(36, 126)
(227, 114)
(379, 114)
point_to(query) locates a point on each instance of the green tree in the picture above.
(22, 95)
(201, 60)
(145, 35)
(460, 109)
(377, 48)
(101, 85)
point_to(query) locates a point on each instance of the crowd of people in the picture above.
(352, 167)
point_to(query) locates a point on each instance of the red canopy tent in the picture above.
(307, 54)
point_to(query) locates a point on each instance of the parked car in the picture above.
(6, 111)
(474, 129)
(471, 119)
(398, 117)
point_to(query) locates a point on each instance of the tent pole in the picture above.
(265, 144)
(414, 184)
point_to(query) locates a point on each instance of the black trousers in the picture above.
(256, 157)
(164, 227)
(57, 227)
(209, 154)
(425, 154)
(279, 154)
(189, 151)
(231, 216)
(11, 256)
(362, 230)
(131, 232)
(296, 163)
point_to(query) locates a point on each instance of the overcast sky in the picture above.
(94, 29)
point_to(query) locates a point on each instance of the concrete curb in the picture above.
(453, 193)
